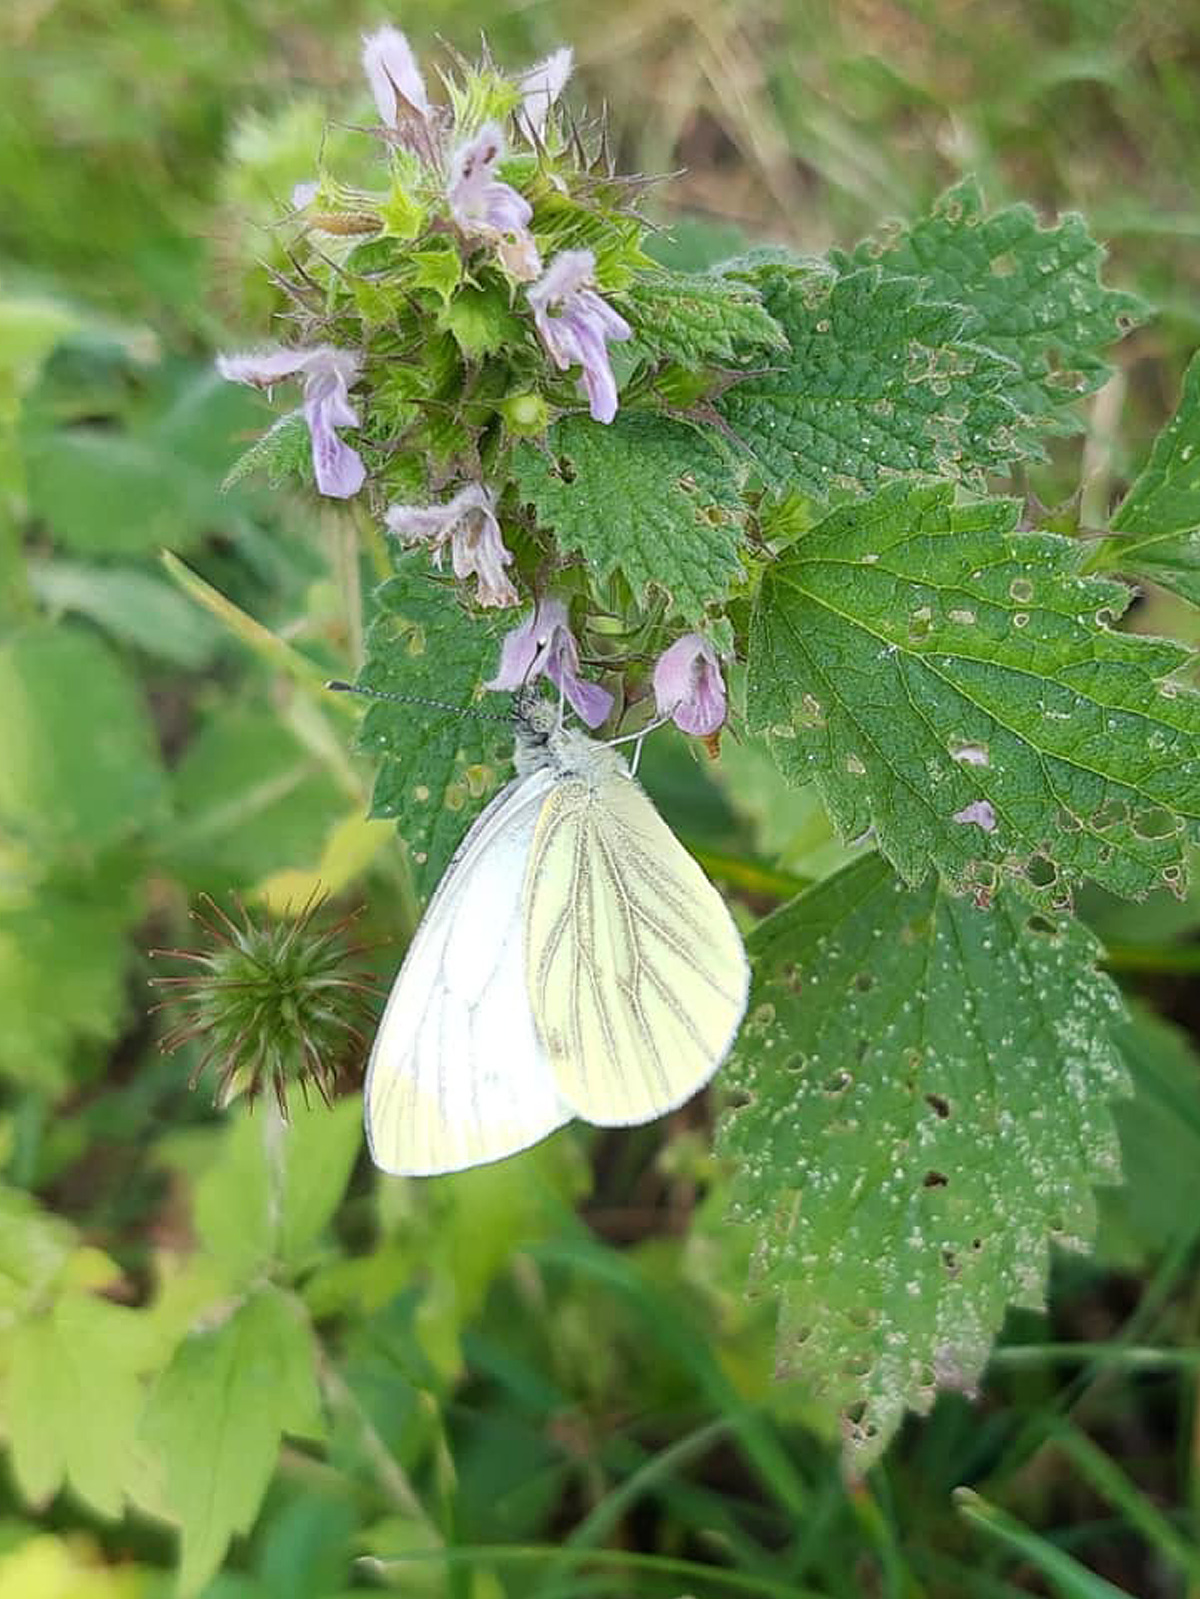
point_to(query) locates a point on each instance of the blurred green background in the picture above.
(553, 1357)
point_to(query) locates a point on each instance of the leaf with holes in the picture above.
(923, 1093)
(1159, 519)
(701, 320)
(952, 684)
(650, 497)
(882, 379)
(437, 765)
(1034, 292)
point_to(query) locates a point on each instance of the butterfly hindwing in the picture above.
(637, 976)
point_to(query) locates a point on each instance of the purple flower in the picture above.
(540, 87)
(468, 524)
(394, 76)
(485, 208)
(543, 645)
(574, 324)
(688, 686)
(303, 194)
(328, 374)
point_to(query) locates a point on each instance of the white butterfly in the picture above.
(575, 961)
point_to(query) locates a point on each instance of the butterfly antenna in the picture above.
(339, 687)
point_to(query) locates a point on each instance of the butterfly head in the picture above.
(535, 721)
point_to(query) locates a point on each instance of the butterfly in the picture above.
(574, 962)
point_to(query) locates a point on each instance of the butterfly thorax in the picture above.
(541, 742)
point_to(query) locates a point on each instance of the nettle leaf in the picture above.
(73, 1400)
(702, 321)
(924, 1090)
(645, 495)
(1035, 293)
(216, 1417)
(882, 378)
(1159, 519)
(952, 684)
(437, 768)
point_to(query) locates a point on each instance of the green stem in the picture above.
(266, 645)
(388, 1472)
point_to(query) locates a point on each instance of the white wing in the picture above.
(637, 974)
(458, 1075)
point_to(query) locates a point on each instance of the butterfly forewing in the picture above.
(458, 1074)
(637, 975)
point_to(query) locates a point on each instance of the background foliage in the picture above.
(493, 1378)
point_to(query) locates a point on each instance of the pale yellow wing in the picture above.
(458, 1075)
(637, 974)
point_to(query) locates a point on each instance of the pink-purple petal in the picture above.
(393, 74)
(688, 686)
(540, 88)
(338, 468)
(576, 325)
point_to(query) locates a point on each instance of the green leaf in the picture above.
(73, 1400)
(882, 380)
(30, 328)
(924, 1089)
(1034, 291)
(64, 967)
(80, 767)
(273, 1188)
(134, 606)
(699, 320)
(250, 800)
(216, 1417)
(953, 684)
(645, 495)
(1160, 1146)
(128, 489)
(437, 766)
(1159, 517)
(34, 1246)
(789, 824)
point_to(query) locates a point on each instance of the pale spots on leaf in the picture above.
(905, 1158)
